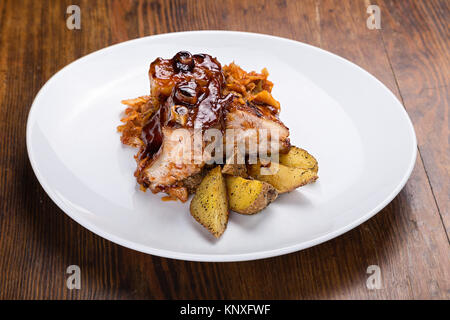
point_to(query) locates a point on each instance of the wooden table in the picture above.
(408, 240)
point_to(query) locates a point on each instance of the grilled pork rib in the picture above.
(188, 89)
(247, 121)
(191, 92)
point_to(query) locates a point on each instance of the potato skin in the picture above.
(299, 158)
(285, 179)
(209, 206)
(249, 196)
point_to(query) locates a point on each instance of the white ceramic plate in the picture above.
(355, 127)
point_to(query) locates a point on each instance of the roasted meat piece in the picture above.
(193, 93)
(253, 113)
(254, 124)
(188, 89)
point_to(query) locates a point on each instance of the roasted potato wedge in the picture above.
(249, 196)
(299, 158)
(284, 179)
(209, 206)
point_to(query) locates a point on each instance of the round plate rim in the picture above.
(215, 257)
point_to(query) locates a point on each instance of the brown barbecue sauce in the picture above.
(192, 86)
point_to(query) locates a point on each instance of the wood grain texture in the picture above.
(422, 69)
(407, 239)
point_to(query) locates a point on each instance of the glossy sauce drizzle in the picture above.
(188, 89)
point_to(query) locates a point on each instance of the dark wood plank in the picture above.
(38, 241)
(422, 69)
(352, 40)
